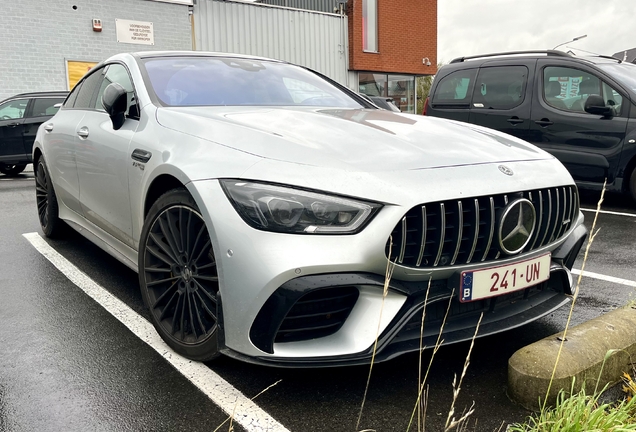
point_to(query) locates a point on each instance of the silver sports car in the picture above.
(260, 202)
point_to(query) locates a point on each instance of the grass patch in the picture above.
(584, 413)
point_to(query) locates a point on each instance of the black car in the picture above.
(580, 109)
(20, 117)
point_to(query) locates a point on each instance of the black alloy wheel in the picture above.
(178, 276)
(632, 184)
(11, 169)
(52, 226)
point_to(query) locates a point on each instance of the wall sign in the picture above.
(135, 32)
(75, 70)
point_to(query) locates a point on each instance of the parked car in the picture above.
(580, 109)
(20, 117)
(260, 222)
(386, 103)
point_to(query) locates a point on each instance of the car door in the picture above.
(60, 135)
(11, 130)
(502, 98)
(588, 145)
(103, 156)
(40, 110)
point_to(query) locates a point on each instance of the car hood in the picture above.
(352, 139)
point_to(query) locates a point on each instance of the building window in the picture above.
(370, 25)
(399, 88)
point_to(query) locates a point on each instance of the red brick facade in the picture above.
(407, 33)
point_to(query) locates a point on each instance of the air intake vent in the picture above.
(317, 314)
(464, 231)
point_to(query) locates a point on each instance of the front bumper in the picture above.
(264, 274)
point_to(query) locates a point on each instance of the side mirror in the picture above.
(596, 105)
(58, 105)
(115, 102)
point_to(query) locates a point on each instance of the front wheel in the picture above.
(11, 169)
(178, 276)
(48, 212)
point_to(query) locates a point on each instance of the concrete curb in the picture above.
(612, 335)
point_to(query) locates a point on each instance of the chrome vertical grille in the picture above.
(458, 232)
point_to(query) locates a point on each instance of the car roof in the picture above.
(515, 55)
(38, 94)
(155, 54)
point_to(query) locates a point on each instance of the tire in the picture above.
(48, 210)
(178, 276)
(632, 184)
(12, 169)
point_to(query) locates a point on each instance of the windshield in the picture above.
(625, 73)
(213, 81)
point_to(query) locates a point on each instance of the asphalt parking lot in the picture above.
(67, 363)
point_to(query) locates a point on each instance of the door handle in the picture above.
(83, 132)
(544, 122)
(48, 127)
(140, 155)
(515, 120)
(13, 124)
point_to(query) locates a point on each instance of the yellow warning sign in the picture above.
(75, 70)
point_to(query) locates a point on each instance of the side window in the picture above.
(70, 100)
(45, 106)
(88, 89)
(501, 87)
(612, 98)
(116, 73)
(14, 109)
(455, 88)
(567, 89)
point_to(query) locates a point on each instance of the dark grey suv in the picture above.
(20, 117)
(580, 109)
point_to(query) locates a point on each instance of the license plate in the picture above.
(494, 281)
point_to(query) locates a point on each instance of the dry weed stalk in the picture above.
(438, 344)
(387, 278)
(231, 416)
(450, 420)
(590, 240)
(421, 406)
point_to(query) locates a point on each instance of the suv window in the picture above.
(45, 106)
(116, 73)
(500, 87)
(13, 109)
(455, 87)
(567, 89)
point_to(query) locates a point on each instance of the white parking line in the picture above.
(605, 278)
(246, 412)
(609, 212)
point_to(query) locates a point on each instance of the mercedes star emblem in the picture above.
(504, 169)
(516, 226)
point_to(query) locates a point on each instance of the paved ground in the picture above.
(68, 364)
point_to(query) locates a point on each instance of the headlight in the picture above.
(284, 209)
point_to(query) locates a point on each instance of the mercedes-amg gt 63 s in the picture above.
(260, 203)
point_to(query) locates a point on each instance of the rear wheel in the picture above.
(178, 276)
(632, 184)
(11, 169)
(48, 214)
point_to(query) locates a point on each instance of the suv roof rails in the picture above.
(547, 52)
(609, 57)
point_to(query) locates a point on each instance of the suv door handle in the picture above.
(544, 122)
(514, 120)
(83, 132)
(13, 124)
(48, 127)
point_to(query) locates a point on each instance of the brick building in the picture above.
(390, 43)
(44, 42)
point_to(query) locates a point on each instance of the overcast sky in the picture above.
(470, 27)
